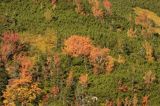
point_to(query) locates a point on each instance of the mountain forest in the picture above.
(79, 52)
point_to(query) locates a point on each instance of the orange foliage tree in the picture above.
(81, 46)
(55, 90)
(107, 4)
(95, 7)
(83, 79)
(98, 57)
(146, 23)
(145, 100)
(69, 80)
(79, 7)
(77, 46)
(21, 89)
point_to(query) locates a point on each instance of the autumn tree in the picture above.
(9, 45)
(108, 6)
(148, 20)
(81, 90)
(149, 77)
(21, 90)
(96, 10)
(145, 100)
(98, 58)
(77, 46)
(149, 51)
(69, 80)
(79, 7)
(83, 79)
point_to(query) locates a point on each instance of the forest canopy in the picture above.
(79, 53)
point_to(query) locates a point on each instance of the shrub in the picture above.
(48, 15)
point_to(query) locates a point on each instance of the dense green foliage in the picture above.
(111, 32)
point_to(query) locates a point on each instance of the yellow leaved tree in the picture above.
(44, 43)
(144, 16)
